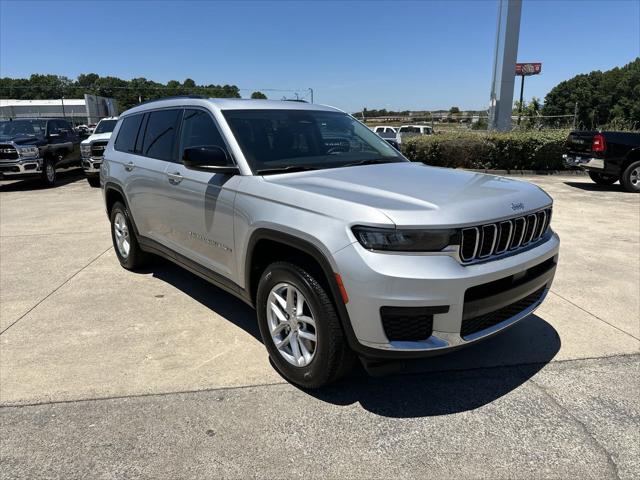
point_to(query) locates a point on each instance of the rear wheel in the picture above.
(300, 327)
(125, 243)
(48, 172)
(602, 179)
(630, 179)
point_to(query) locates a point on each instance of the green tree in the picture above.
(454, 110)
(258, 95)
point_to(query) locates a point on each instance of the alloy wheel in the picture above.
(292, 324)
(121, 231)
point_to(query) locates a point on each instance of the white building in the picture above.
(89, 109)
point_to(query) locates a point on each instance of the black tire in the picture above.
(332, 357)
(135, 258)
(94, 180)
(630, 178)
(602, 179)
(49, 175)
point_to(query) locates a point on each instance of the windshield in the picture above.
(20, 128)
(105, 126)
(302, 139)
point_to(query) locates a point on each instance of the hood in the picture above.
(97, 136)
(22, 139)
(415, 195)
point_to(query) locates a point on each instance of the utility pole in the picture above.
(521, 98)
(504, 65)
(575, 116)
(311, 91)
(63, 112)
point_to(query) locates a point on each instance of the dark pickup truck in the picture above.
(37, 147)
(606, 156)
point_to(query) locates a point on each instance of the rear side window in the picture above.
(160, 134)
(199, 130)
(126, 140)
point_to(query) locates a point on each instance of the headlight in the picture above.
(85, 150)
(28, 151)
(390, 239)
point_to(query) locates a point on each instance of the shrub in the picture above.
(526, 150)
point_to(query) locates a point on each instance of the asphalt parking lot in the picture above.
(106, 373)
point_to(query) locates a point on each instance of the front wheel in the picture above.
(48, 172)
(602, 179)
(299, 327)
(630, 179)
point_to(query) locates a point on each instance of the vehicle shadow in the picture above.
(456, 382)
(594, 187)
(63, 178)
(212, 297)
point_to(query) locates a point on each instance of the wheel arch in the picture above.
(266, 246)
(112, 193)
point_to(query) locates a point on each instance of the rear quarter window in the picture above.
(126, 140)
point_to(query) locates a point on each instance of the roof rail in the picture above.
(171, 98)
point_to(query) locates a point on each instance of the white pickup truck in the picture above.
(92, 149)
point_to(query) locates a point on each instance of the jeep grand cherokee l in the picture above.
(343, 246)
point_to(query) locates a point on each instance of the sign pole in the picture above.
(521, 97)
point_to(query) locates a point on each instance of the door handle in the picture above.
(129, 166)
(174, 178)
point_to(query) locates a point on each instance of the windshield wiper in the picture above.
(288, 169)
(371, 161)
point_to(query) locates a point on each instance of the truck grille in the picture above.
(97, 148)
(490, 240)
(8, 152)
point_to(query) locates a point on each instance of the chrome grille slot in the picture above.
(504, 236)
(488, 242)
(493, 239)
(519, 225)
(531, 228)
(469, 243)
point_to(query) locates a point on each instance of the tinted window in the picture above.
(272, 139)
(160, 134)
(105, 126)
(126, 140)
(198, 130)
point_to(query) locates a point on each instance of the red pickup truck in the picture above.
(607, 157)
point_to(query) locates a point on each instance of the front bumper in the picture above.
(587, 163)
(20, 167)
(91, 165)
(374, 280)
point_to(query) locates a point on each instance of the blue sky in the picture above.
(378, 54)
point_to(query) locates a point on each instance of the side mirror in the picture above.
(208, 158)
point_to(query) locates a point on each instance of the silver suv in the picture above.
(344, 247)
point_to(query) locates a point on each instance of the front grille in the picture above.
(409, 323)
(488, 320)
(484, 241)
(97, 148)
(8, 152)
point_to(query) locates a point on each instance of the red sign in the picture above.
(528, 68)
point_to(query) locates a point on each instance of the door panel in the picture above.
(200, 213)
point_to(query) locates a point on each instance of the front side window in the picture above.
(273, 140)
(199, 130)
(160, 134)
(126, 141)
(105, 126)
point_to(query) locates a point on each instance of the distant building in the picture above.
(89, 109)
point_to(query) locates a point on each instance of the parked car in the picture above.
(37, 147)
(407, 131)
(92, 149)
(388, 133)
(607, 157)
(343, 246)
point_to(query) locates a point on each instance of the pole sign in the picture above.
(525, 69)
